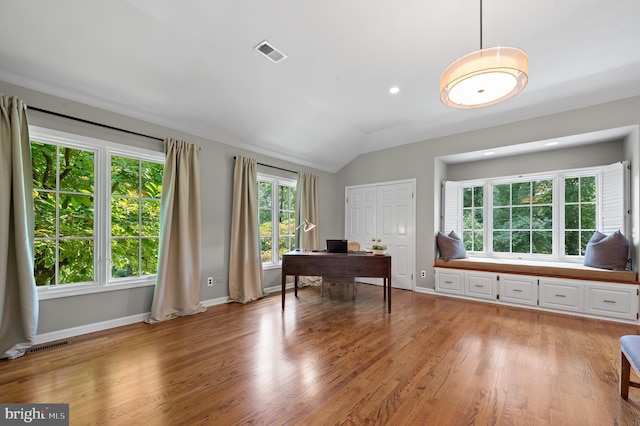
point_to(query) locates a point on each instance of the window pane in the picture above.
(572, 243)
(502, 218)
(542, 242)
(150, 218)
(588, 189)
(43, 160)
(44, 204)
(76, 170)
(75, 261)
(467, 197)
(542, 192)
(124, 217)
(588, 216)
(585, 236)
(478, 243)
(265, 248)
(264, 195)
(45, 262)
(150, 256)
(467, 219)
(467, 239)
(76, 215)
(521, 241)
(478, 196)
(542, 217)
(521, 193)
(125, 176)
(152, 179)
(124, 257)
(571, 190)
(571, 216)
(521, 217)
(502, 195)
(502, 241)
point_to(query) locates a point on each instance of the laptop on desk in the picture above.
(337, 246)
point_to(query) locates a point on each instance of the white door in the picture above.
(387, 212)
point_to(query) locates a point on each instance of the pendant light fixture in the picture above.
(484, 77)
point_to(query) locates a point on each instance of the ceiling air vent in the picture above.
(268, 50)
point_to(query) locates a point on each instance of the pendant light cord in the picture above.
(480, 24)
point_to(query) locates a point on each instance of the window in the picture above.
(545, 216)
(96, 211)
(276, 217)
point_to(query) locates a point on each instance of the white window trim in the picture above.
(276, 181)
(103, 150)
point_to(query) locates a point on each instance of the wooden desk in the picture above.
(298, 263)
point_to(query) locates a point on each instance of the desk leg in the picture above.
(389, 296)
(295, 285)
(284, 287)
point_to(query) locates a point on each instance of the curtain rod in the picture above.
(273, 167)
(106, 126)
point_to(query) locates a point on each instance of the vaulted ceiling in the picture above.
(191, 65)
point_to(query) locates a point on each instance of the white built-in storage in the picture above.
(619, 301)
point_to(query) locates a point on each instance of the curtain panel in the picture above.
(245, 264)
(18, 293)
(177, 291)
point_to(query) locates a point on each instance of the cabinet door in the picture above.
(566, 295)
(449, 281)
(481, 284)
(520, 289)
(611, 300)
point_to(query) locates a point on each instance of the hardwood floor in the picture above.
(433, 361)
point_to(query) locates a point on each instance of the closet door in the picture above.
(385, 211)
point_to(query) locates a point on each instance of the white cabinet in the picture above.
(604, 300)
(519, 289)
(481, 284)
(467, 283)
(611, 300)
(561, 294)
(449, 281)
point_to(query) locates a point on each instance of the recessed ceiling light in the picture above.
(551, 143)
(394, 90)
(489, 153)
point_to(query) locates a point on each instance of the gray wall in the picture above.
(217, 181)
(420, 160)
(423, 161)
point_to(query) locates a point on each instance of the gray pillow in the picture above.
(607, 251)
(451, 246)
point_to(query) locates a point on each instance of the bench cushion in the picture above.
(630, 346)
(548, 269)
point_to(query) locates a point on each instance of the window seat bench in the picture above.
(537, 268)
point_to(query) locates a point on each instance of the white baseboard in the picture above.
(105, 325)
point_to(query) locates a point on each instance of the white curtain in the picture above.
(177, 291)
(245, 264)
(18, 293)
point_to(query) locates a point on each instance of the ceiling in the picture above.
(191, 65)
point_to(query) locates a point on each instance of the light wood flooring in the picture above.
(433, 361)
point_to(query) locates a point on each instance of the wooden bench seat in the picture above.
(547, 269)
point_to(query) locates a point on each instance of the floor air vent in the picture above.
(41, 348)
(268, 50)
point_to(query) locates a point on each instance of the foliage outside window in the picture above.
(136, 187)
(473, 218)
(523, 217)
(579, 213)
(551, 215)
(276, 217)
(96, 211)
